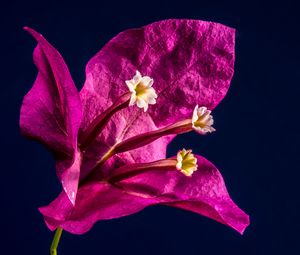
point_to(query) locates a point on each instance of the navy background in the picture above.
(256, 145)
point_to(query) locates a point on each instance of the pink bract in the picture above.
(51, 112)
(191, 63)
(204, 193)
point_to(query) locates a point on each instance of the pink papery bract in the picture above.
(204, 193)
(51, 112)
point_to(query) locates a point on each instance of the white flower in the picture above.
(142, 92)
(202, 121)
(186, 162)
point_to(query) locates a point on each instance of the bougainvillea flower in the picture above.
(142, 88)
(142, 92)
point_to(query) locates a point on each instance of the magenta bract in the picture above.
(204, 193)
(51, 112)
(94, 133)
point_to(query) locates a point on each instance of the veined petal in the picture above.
(51, 111)
(95, 201)
(204, 192)
(140, 186)
(191, 61)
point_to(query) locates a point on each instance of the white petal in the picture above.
(130, 85)
(211, 129)
(132, 99)
(137, 78)
(146, 107)
(140, 102)
(201, 110)
(147, 81)
(195, 114)
(152, 101)
(210, 121)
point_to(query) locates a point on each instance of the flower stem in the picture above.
(55, 241)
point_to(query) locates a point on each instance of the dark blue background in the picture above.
(256, 145)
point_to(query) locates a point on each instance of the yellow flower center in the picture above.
(140, 89)
(186, 162)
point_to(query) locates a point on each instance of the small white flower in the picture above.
(142, 92)
(186, 162)
(202, 121)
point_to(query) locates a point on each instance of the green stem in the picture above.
(55, 241)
